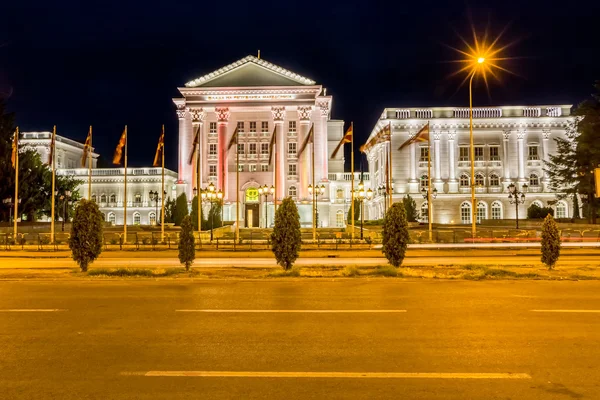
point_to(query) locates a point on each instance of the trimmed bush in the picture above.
(286, 239)
(395, 234)
(536, 212)
(550, 242)
(410, 206)
(187, 251)
(86, 234)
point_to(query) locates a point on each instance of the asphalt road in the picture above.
(396, 340)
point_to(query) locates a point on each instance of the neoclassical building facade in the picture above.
(511, 144)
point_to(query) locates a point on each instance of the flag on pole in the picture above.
(421, 136)
(15, 149)
(309, 139)
(346, 139)
(194, 145)
(86, 148)
(233, 139)
(159, 149)
(119, 149)
(272, 144)
(52, 144)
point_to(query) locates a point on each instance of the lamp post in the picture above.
(516, 197)
(65, 197)
(266, 191)
(361, 195)
(9, 202)
(154, 197)
(319, 191)
(383, 191)
(429, 195)
(212, 195)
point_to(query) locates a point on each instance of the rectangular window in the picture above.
(264, 126)
(292, 170)
(292, 126)
(241, 148)
(252, 149)
(478, 153)
(494, 154)
(240, 126)
(253, 126)
(292, 149)
(424, 154)
(264, 167)
(264, 148)
(241, 167)
(464, 154)
(212, 170)
(212, 149)
(212, 127)
(533, 153)
(252, 167)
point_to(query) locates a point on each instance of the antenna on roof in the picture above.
(259, 54)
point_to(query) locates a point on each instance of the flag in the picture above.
(86, 148)
(233, 138)
(52, 143)
(272, 144)
(421, 136)
(346, 139)
(194, 145)
(119, 149)
(309, 138)
(159, 149)
(15, 149)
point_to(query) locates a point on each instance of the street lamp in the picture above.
(266, 191)
(320, 190)
(383, 191)
(212, 195)
(9, 202)
(65, 198)
(516, 197)
(361, 195)
(154, 197)
(429, 195)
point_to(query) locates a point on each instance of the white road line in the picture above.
(33, 310)
(353, 375)
(294, 311)
(567, 311)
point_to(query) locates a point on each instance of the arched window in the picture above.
(113, 198)
(137, 198)
(339, 218)
(494, 180)
(479, 179)
(424, 181)
(94, 198)
(112, 218)
(496, 210)
(102, 198)
(292, 192)
(538, 203)
(561, 210)
(152, 218)
(465, 212)
(339, 194)
(424, 212)
(464, 180)
(534, 180)
(137, 218)
(481, 211)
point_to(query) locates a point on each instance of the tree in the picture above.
(86, 234)
(550, 242)
(214, 215)
(570, 169)
(181, 209)
(395, 234)
(187, 251)
(410, 206)
(356, 212)
(169, 210)
(536, 212)
(194, 213)
(286, 239)
(576, 207)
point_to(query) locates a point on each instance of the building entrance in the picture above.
(252, 215)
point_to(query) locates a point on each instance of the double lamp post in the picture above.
(210, 195)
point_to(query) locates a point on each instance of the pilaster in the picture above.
(278, 113)
(304, 162)
(222, 172)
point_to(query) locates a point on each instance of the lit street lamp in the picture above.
(65, 198)
(266, 191)
(320, 190)
(516, 197)
(154, 197)
(361, 195)
(429, 195)
(383, 191)
(211, 195)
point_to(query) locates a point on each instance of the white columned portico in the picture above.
(505, 159)
(521, 153)
(222, 173)
(278, 113)
(304, 163)
(452, 181)
(437, 183)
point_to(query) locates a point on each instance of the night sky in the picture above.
(76, 63)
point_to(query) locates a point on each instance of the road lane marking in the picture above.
(353, 375)
(33, 310)
(567, 311)
(294, 311)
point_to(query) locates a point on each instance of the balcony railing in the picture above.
(347, 176)
(115, 172)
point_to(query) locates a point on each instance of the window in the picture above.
(137, 219)
(212, 170)
(241, 167)
(496, 210)
(494, 180)
(59, 161)
(464, 180)
(252, 167)
(252, 149)
(465, 212)
(113, 198)
(424, 212)
(212, 149)
(152, 218)
(212, 127)
(240, 126)
(241, 148)
(463, 154)
(253, 126)
(481, 212)
(494, 154)
(292, 191)
(137, 198)
(264, 148)
(424, 154)
(292, 149)
(102, 198)
(533, 153)
(264, 126)
(479, 179)
(561, 210)
(424, 182)
(264, 167)
(292, 170)
(339, 194)
(112, 218)
(339, 219)
(94, 198)
(534, 180)
(292, 127)
(478, 153)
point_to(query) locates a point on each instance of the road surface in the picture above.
(299, 339)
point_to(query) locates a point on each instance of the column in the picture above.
(321, 156)
(505, 159)
(198, 116)
(222, 172)
(452, 181)
(438, 183)
(413, 183)
(181, 113)
(521, 153)
(278, 113)
(304, 162)
(545, 138)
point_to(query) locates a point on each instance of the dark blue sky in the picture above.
(111, 63)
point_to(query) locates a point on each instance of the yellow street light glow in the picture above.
(481, 60)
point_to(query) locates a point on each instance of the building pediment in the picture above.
(250, 71)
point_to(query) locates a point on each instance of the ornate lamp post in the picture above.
(383, 191)
(361, 195)
(9, 203)
(154, 197)
(65, 197)
(516, 197)
(429, 195)
(319, 191)
(266, 191)
(212, 195)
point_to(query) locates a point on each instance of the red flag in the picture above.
(194, 145)
(346, 139)
(272, 144)
(309, 138)
(421, 136)
(52, 144)
(119, 149)
(159, 149)
(233, 138)
(15, 149)
(86, 148)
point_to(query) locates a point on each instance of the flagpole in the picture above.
(275, 183)
(352, 178)
(199, 190)
(429, 205)
(53, 144)
(237, 189)
(125, 194)
(90, 167)
(314, 187)
(16, 184)
(390, 189)
(162, 197)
